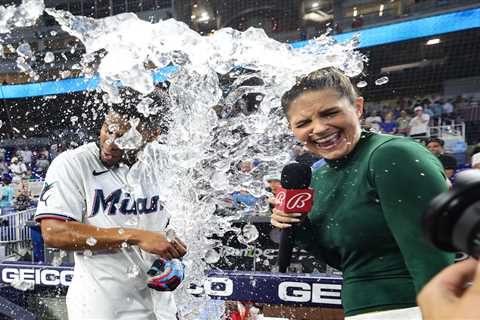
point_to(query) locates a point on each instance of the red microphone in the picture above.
(294, 196)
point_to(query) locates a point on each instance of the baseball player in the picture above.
(86, 206)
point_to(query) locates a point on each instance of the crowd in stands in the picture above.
(19, 168)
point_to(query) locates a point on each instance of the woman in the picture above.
(388, 126)
(369, 199)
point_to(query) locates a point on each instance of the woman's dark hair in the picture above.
(327, 78)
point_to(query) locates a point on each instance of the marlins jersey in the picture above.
(78, 187)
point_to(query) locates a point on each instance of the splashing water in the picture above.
(211, 128)
(22, 285)
(24, 15)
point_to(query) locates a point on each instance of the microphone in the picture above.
(294, 196)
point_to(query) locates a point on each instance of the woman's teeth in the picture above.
(324, 142)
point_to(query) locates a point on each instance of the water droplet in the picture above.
(249, 234)
(362, 84)
(386, 170)
(381, 81)
(91, 241)
(170, 235)
(24, 50)
(422, 174)
(113, 128)
(121, 231)
(49, 57)
(212, 256)
(22, 285)
(87, 253)
(416, 160)
(53, 33)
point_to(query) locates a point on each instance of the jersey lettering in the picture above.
(112, 204)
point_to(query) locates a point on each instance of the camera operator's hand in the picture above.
(447, 295)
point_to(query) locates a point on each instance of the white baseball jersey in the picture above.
(79, 187)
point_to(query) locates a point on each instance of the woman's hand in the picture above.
(284, 220)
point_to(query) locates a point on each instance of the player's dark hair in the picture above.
(327, 78)
(161, 101)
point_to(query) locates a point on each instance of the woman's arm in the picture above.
(407, 176)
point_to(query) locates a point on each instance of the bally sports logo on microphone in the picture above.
(294, 200)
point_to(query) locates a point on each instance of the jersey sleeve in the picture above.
(62, 195)
(407, 177)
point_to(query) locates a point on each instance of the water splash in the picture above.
(23, 15)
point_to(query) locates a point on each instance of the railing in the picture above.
(15, 234)
(453, 130)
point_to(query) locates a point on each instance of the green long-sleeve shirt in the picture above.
(366, 221)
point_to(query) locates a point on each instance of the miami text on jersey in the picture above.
(114, 202)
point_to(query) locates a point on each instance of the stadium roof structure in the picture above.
(369, 37)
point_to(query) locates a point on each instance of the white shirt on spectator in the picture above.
(419, 124)
(18, 169)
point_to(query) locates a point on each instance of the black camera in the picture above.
(452, 220)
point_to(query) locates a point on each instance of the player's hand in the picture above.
(284, 220)
(157, 243)
(447, 295)
(165, 275)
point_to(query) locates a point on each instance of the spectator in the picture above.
(23, 198)
(6, 194)
(18, 168)
(419, 124)
(3, 167)
(273, 183)
(403, 123)
(476, 161)
(26, 155)
(373, 121)
(53, 151)
(303, 156)
(42, 164)
(448, 108)
(435, 145)
(388, 125)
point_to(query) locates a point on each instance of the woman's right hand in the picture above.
(283, 220)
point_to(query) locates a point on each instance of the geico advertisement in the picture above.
(262, 287)
(39, 276)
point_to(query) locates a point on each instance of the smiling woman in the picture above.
(369, 199)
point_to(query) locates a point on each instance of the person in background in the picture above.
(18, 168)
(388, 126)
(373, 121)
(26, 155)
(419, 124)
(435, 145)
(42, 164)
(23, 197)
(6, 194)
(403, 123)
(303, 156)
(53, 151)
(475, 162)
